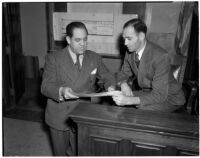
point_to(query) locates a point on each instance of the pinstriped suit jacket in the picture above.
(153, 73)
(59, 70)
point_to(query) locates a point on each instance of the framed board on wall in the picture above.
(104, 29)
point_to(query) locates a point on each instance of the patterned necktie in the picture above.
(137, 60)
(77, 64)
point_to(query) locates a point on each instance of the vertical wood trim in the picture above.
(8, 46)
(148, 15)
(49, 15)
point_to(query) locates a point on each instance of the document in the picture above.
(102, 94)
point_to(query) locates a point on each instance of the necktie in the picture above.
(77, 64)
(137, 60)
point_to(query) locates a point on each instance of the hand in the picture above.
(126, 89)
(121, 99)
(67, 93)
(111, 88)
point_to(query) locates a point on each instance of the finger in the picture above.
(71, 95)
(66, 97)
(132, 94)
(118, 104)
(116, 93)
(115, 100)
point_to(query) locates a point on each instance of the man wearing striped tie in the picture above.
(150, 65)
(72, 69)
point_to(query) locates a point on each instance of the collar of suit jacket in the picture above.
(140, 52)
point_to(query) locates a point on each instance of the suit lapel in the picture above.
(68, 66)
(142, 65)
(135, 68)
(86, 66)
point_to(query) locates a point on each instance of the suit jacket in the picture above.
(60, 71)
(154, 76)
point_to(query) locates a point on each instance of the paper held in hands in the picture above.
(102, 94)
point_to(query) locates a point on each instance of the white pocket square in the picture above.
(94, 71)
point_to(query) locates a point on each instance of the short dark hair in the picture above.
(70, 27)
(138, 25)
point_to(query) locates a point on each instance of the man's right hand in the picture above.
(67, 93)
(126, 89)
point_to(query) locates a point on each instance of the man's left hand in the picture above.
(121, 99)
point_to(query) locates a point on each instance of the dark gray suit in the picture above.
(60, 71)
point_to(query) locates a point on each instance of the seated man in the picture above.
(151, 66)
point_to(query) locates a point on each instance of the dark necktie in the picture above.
(137, 60)
(77, 64)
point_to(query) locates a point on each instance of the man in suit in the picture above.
(72, 69)
(158, 89)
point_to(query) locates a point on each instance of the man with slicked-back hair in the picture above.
(72, 69)
(150, 64)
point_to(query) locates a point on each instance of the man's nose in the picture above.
(82, 42)
(125, 42)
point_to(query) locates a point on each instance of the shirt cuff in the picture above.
(61, 98)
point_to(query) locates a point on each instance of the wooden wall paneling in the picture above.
(104, 146)
(146, 149)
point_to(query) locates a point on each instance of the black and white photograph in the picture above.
(104, 78)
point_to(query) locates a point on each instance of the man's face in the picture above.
(78, 42)
(132, 39)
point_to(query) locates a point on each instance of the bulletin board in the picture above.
(104, 30)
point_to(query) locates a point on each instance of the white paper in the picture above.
(102, 94)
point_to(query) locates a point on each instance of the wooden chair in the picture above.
(189, 87)
(178, 63)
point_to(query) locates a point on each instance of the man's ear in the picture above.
(68, 39)
(141, 36)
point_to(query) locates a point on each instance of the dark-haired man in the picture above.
(72, 69)
(150, 64)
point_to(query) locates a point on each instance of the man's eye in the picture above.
(77, 40)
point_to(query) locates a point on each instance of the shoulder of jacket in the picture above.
(157, 51)
(157, 48)
(58, 53)
(92, 54)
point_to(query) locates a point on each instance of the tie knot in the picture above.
(137, 56)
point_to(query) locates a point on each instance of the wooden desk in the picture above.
(117, 131)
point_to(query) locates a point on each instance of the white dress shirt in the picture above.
(73, 55)
(140, 52)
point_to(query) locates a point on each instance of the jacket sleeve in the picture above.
(50, 87)
(125, 71)
(104, 74)
(160, 83)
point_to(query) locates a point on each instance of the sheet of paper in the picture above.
(102, 94)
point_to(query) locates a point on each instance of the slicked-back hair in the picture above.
(137, 24)
(73, 25)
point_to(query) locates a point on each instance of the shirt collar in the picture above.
(73, 55)
(140, 52)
